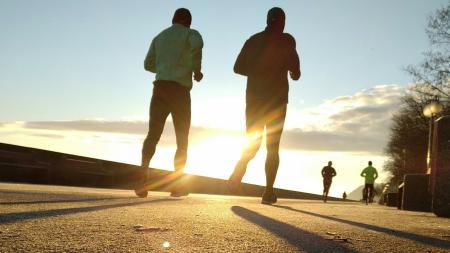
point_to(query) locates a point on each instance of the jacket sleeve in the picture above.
(196, 44)
(241, 64)
(150, 59)
(293, 59)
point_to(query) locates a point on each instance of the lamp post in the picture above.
(430, 111)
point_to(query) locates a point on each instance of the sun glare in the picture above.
(223, 144)
(215, 156)
(210, 156)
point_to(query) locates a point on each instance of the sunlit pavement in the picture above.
(56, 219)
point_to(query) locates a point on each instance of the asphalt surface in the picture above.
(37, 218)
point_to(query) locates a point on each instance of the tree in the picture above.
(407, 148)
(432, 75)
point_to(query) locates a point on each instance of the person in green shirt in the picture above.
(175, 56)
(370, 174)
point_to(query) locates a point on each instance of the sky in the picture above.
(72, 80)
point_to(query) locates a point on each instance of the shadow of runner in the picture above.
(406, 235)
(297, 237)
(16, 217)
(60, 201)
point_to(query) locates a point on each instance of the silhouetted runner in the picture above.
(175, 56)
(370, 174)
(266, 59)
(328, 173)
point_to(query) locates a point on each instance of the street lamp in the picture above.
(430, 111)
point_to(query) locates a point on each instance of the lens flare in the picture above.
(166, 244)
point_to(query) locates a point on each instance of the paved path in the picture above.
(56, 219)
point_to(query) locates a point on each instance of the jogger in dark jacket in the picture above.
(266, 59)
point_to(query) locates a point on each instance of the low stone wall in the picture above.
(30, 165)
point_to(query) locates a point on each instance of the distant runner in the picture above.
(328, 173)
(370, 174)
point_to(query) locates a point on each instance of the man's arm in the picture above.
(240, 66)
(334, 172)
(150, 60)
(363, 173)
(293, 61)
(376, 174)
(196, 44)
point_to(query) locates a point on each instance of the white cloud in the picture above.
(358, 122)
(353, 123)
(361, 108)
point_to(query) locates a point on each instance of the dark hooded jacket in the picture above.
(266, 59)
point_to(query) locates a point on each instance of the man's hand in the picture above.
(295, 75)
(198, 76)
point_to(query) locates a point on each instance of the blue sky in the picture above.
(86, 56)
(81, 62)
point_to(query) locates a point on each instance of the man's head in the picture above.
(330, 163)
(276, 18)
(370, 163)
(182, 16)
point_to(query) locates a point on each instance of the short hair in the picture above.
(370, 162)
(274, 15)
(330, 162)
(182, 16)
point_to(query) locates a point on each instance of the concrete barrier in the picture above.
(415, 193)
(66, 169)
(391, 199)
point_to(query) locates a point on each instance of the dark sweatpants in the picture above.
(168, 98)
(269, 116)
(366, 189)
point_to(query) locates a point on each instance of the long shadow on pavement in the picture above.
(410, 236)
(297, 237)
(21, 216)
(59, 201)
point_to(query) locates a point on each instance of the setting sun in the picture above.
(215, 156)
